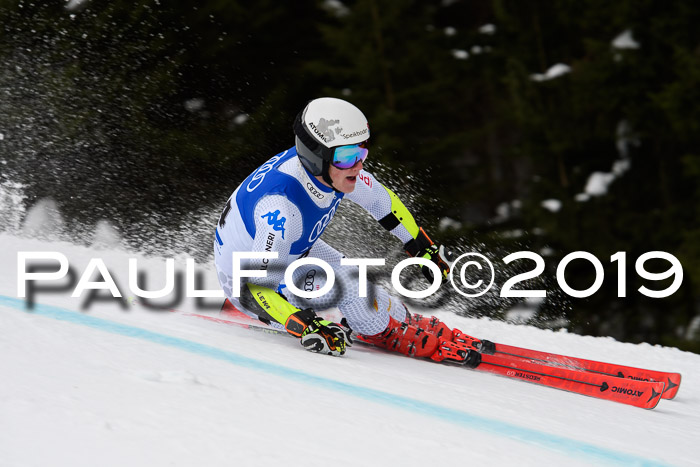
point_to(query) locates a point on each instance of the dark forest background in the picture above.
(142, 110)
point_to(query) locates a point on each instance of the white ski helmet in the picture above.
(325, 124)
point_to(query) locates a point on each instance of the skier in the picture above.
(284, 207)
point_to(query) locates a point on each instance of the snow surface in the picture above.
(89, 383)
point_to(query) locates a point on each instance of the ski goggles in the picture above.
(345, 157)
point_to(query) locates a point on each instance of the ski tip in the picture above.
(673, 382)
(657, 391)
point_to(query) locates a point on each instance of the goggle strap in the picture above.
(302, 134)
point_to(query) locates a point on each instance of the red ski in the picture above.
(557, 371)
(672, 380)
(644, 394)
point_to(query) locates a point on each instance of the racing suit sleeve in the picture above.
(385, 207)
(278, 224)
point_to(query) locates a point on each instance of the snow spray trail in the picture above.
(462, 419)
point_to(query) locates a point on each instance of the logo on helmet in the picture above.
(355, 133)
(325, 131)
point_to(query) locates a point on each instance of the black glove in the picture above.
(318, 335)
(423, 247)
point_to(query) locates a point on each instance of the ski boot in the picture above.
(416, 342)
(432, 325)
(457, 352)
(436, 327)
(404, 338)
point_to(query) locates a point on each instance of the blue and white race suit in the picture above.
(282, 208)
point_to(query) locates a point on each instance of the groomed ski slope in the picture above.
(113, 387)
